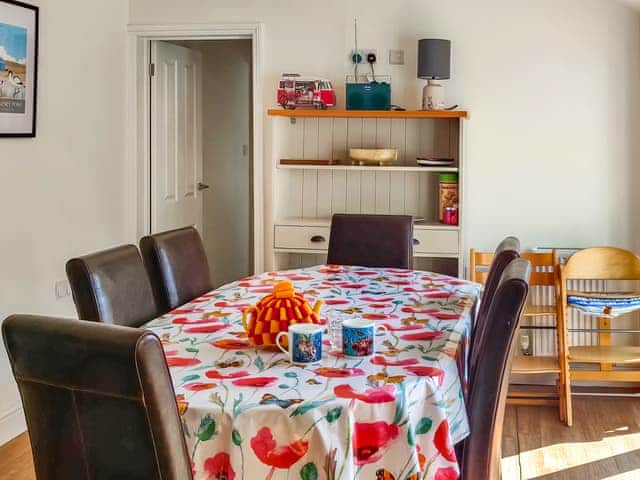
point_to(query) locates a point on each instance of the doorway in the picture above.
(201, 148)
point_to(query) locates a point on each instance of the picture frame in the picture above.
(19, 30)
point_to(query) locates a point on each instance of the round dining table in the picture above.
(249, 414)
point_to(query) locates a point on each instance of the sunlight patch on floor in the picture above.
(562, 456)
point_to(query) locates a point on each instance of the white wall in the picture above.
(61, 194)
(552, 87)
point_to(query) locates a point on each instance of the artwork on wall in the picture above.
(18, 68)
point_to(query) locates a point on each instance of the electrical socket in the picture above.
(62, 289)
(363, 53)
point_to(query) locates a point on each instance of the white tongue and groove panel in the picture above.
(313, 193)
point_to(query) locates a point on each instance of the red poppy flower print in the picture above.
(182, 361)
(336, 301)
(207, 328)
(186, 311)
(170, 353)
(421, 336)
(424, 371)
(380, 360)
(257, 382)
(442, 442)
(422, 460)
(237, 306)
(446, 473)
(377, 299)
(378, 316)
(274, 455)
(399, 283)
(424, 311)
(198, 386)
(188, 321)
(354, 286)
(334, 372)
(219, 467)
(379, 305)
(261, 289)
(420, 290)
(231, 344)
(402, 328)
(371, 395)
(370, 439)
(215, 374)
(439, 294)
(365, 273)
(446, 316)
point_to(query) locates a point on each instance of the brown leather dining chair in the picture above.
(98, 400)
(112, 286)
(371, 240)
(177, 265)
(481, 451)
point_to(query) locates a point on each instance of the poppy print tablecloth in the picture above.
(248, 414)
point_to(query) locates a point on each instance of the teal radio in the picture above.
(369, 96)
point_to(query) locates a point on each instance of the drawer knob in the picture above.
(416, 241)
(317, 239)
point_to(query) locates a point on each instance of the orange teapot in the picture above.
(275, 312)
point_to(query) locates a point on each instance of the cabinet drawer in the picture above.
(435, 241)
(301, 237)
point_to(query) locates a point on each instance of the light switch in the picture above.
(396, 57)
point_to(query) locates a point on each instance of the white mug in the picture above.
(358, 337)
(305, 343)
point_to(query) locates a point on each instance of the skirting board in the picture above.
(12, 424)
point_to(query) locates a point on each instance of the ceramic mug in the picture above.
(305, 343)
(358, 337)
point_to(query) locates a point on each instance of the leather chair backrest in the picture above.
(177, 265)
(490, 376)
(371, 240)
(98, 400)
(112, 286)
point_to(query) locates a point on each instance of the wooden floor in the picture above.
(604, 443)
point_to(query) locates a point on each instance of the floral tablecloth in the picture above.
(249, 414)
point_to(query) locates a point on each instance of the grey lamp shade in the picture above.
(434, 58)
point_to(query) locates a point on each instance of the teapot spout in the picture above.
(245, 312)
(317, 306)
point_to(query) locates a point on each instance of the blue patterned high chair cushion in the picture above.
(604, 304)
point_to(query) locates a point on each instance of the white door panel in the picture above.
(176, 133)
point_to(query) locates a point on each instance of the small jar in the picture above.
(448, 194)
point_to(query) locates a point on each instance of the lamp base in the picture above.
(433, 96)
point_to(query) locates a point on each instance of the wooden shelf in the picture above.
(605, 354)
(526, 365)
(336, 113)
(538, 310)
(326, 222)
(399, 168)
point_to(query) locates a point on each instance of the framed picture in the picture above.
(18, 68)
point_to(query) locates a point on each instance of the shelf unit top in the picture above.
(399, 168)
(326, 222)
(337, 113)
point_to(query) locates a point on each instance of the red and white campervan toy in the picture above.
(297, 91)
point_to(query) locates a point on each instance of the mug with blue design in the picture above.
(305, 343)
(358, 337)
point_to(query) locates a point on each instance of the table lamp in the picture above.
(434, 63)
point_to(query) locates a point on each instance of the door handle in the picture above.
(318, 239)
(202, 186)
(416, 241)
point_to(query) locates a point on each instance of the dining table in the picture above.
(250, 414)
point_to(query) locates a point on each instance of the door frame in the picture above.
(138, 124)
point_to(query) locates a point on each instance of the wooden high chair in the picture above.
(600, 263)
(544, 275)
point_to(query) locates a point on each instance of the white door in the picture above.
(176, 137)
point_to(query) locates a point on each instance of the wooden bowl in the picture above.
(373, 156)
